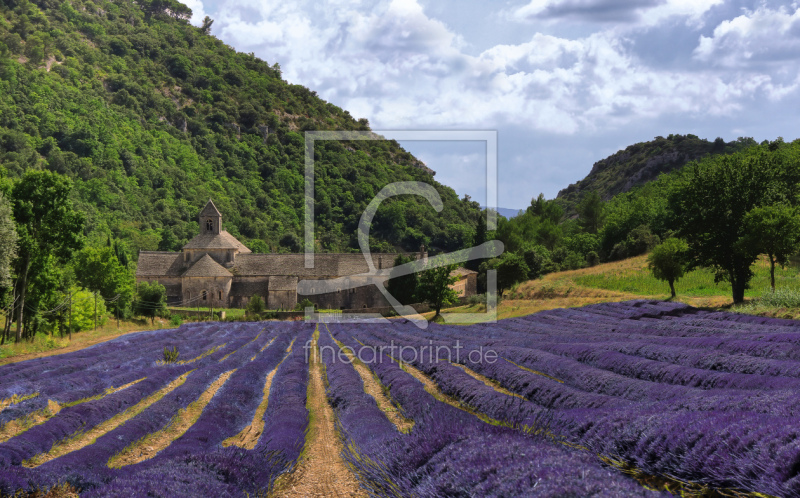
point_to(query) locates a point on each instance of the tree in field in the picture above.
(590, 210)
(511, 270)
(98, 269)
(667, 261)
(434, 287)
(775, 231)
(404, 288)
(710, 205)
(83, 310)
(151, 300)
(47, 225)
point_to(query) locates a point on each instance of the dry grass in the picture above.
(321, 472)
(486, 380)
(13, 400)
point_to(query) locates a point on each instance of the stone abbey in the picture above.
(215, 269)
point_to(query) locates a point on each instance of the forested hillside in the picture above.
(644, 162)
(151, 116)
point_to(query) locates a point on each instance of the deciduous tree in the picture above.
(667, 261)
(775, 231)
(47, 225)
(151, 300)
(434, 287)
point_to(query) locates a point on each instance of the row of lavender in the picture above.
(710, 398)
(193, 464)
(450, 452)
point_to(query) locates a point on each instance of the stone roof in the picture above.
(159, 264)
(462, 272)
(207, 267)
(325, 264)
(210, 210)
(282, 283)
(222, 240)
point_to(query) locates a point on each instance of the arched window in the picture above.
(209, 225)
(204, 295)
(220, 295)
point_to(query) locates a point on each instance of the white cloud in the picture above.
(756, 38)
(393, 63)
(691, 10)
(390, 62)
(198, 11)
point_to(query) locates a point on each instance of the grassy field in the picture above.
(630, 279)
(632, 276)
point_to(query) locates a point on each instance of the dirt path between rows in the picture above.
(321, 472)
(374, 388)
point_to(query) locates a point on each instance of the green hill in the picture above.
(150, 117)
(643, 162)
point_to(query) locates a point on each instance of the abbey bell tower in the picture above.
(210, 220)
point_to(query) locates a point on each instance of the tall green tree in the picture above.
(434, 287)
(511, 270)
(98, 269)
(47, 224)
(775, 231)
(151, 300)
(84, 310)
(711, 202)
(590, 210)
(667, 261)
(8, 242)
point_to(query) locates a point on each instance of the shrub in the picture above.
(302, 305)
(781, 298)
(171, 355)
(255, 306)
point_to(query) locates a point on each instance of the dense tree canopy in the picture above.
(150, 117)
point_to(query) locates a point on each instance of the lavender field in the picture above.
(625, 399)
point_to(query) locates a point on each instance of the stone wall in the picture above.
(217, 290)
(364, 296)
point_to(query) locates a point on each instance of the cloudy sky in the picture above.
(564, 82)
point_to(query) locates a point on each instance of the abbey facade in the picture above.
(215, 269)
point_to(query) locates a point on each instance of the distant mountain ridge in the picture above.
(642, 162)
